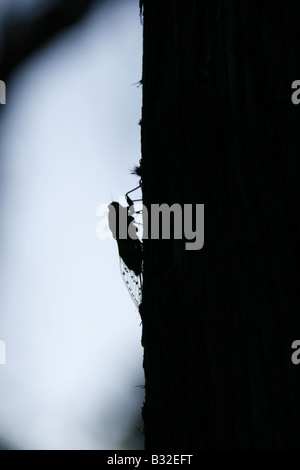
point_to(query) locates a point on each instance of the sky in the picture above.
(69, 138)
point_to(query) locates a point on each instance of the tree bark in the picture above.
(218, 127)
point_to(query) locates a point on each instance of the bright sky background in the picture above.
(69, 136)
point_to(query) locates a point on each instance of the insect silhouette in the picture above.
(122, 223)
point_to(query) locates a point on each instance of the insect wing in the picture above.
(132, 282)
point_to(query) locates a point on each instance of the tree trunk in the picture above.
(219, 127)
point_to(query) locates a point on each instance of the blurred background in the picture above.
(69, 137)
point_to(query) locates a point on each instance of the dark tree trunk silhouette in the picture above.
(218, 127)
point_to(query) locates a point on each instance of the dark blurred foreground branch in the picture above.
(22, 36)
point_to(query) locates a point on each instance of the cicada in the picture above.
(122, 223)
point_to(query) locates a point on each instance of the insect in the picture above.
(122, 223)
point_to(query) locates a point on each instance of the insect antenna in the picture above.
(132, 190)
(129, 200)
